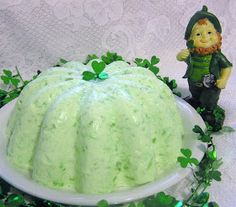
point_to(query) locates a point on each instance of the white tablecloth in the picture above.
(35, 34)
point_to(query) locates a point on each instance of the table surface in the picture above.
(34, 36)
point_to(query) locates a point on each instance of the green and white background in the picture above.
(35, 34)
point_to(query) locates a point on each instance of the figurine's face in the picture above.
(204, 35)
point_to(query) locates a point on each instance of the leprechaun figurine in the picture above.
(208, 69)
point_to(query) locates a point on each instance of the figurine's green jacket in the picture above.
(218, 62)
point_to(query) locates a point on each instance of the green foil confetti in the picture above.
(179, 204)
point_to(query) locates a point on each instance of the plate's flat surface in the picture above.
(189, 116)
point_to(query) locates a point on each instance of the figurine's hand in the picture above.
(183, 55)
(221, 83)
(224, 76)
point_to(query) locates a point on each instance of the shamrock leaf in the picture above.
(119, 57)
(194, 161)
(217, 163)
(164, 199)
(183, 161)
(146, 63)
(60, 62)
(215, 174)
(187, 159)
(8, 73)
(186, 152)
(166, 80)
(27, 82)
(105, 60)
(2, 93)
(161, 200)
(177, 93)
(202, 198)
(205, 138)
(154, 60)
(154, 69)
(111, 57)
(102, 203)
(212, 155)
(90, 57)
(15, 82)
(11, 95)
(5, 79)
(138, 61)
(63, 61)
(172, 84)
(227, 129)
(87, 75)
(98, 67)
(197, 129)
(213, 204)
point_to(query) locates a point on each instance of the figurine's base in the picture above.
(215, 118)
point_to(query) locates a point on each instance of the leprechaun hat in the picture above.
(202, 15)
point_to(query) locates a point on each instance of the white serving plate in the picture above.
(189, 116)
